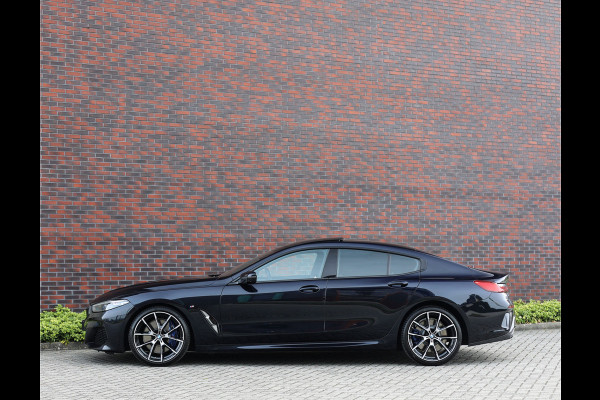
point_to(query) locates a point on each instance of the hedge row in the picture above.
(64, 325)
(535, 311)
(61, 325)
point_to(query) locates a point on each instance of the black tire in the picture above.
(431, 335)
(159, 336)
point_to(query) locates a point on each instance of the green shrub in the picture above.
(535, 311)
(61, 325)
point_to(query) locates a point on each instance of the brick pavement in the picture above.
(525, 367)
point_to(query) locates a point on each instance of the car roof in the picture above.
(341, 239)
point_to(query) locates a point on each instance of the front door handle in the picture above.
(398, 284)
(309, 289)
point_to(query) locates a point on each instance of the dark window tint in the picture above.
(362, 263)
(402, 265)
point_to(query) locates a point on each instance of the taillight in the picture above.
(492, 286)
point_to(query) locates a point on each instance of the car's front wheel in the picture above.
(159, 336)
(431, 336)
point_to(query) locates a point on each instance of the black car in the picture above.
(319, 294)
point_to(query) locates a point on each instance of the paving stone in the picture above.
(527, 366)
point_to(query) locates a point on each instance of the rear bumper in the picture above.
(506, 332)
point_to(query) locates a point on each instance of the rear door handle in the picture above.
(309, 289)
(398, 284)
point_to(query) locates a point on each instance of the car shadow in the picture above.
(300, 358)
(293, 358)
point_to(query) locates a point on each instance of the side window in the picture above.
(357, 263)
(402, 265)
(306, 264)
(353, 263)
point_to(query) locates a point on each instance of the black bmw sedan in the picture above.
(318, 294)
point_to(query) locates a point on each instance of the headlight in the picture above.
(108, 305)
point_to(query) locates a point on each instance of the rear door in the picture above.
(367, 292)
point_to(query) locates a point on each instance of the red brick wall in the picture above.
(181, 138)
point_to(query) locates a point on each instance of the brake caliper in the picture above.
(174, 334)
(416, 339)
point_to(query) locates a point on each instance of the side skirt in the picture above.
(291, 346)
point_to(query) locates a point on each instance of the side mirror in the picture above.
(248, 278)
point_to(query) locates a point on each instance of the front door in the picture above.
(286, 304)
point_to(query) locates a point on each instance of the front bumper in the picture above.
(106, 331)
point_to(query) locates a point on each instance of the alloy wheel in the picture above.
(159, 337)
(432, 336)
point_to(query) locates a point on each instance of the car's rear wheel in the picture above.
(431, 336)
(159, 336)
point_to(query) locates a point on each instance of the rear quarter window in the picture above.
(403, 265)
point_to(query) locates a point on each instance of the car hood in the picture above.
(152, 286)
